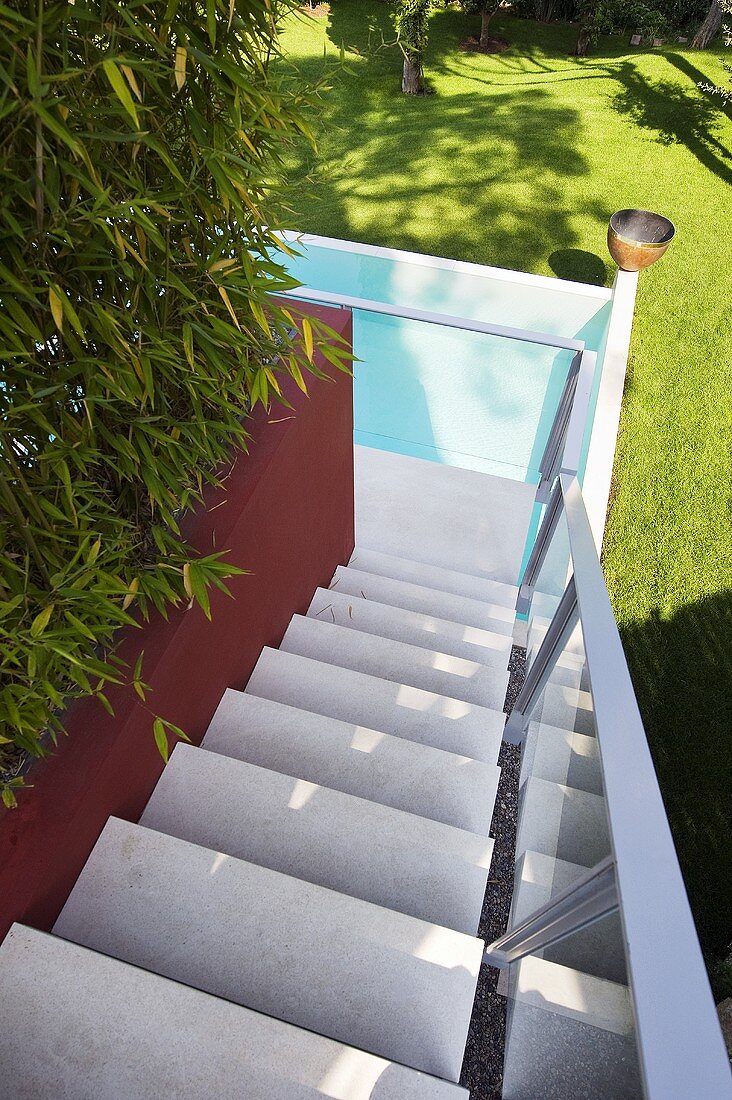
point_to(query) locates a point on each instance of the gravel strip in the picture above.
(482, 1070)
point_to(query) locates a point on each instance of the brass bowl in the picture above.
(637, 238)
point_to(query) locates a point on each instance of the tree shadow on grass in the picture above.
(366, 31)
(675, 115)
(682, 671)
(482, 182)
(486, 187)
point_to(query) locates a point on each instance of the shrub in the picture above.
(140, 189)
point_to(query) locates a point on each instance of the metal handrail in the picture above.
(445, 320)
(588, 899)
(679, 1042)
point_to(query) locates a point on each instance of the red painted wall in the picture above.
(286, 514)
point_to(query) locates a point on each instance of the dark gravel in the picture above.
(482, 1070)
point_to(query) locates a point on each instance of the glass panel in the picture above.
(570, 1021)
(459, 398)
(569, 1026)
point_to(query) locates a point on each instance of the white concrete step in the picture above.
(417, 778)
(376, 979)
(77, 1024)
(457, 519)
(413, 627)
(560, 821)
(597, 949)
(570, 993)
(434, 576)
(376, 853)
(427, 601)
(570, 1035)
(562, 756)
(398, 662)
(399, 709)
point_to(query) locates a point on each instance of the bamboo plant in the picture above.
(141, 186)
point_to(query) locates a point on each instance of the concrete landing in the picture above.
(441, 515)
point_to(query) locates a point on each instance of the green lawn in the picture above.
(518, 160)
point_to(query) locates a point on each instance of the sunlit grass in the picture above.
(518, 160)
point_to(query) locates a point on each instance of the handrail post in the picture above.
(539, 550)
(574, 436)
(553, 449)
(588, 899)
(540, 669)
(563, 450)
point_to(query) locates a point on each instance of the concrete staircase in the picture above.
(295, 914)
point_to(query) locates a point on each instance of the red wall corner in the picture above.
(286, 514)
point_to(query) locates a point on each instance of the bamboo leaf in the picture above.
(259, 317)
(131, 593)
(57, 309)
(188, 344)
(211, 21)
(41, 621)
(161, 739)
(307, 334)
(181, 55)
(227, 302)
(132, 80)
(120, 89)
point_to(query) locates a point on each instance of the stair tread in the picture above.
(554, 987)
(395, 708)
(399, 662)
(369, 851)
(434, 576)
(78, 1023)
(361, 761)
(388, 983)
(413, 627)
(566, 822)
(428, 601)
(563, 756)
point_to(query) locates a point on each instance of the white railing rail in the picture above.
(445, 320)
(679, 1040)
(679, 1043)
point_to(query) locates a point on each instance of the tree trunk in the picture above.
(412, 81)
(485, 19)
(544, 10)
(709, 28)
(583, 41)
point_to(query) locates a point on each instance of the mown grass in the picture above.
(518, 160)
